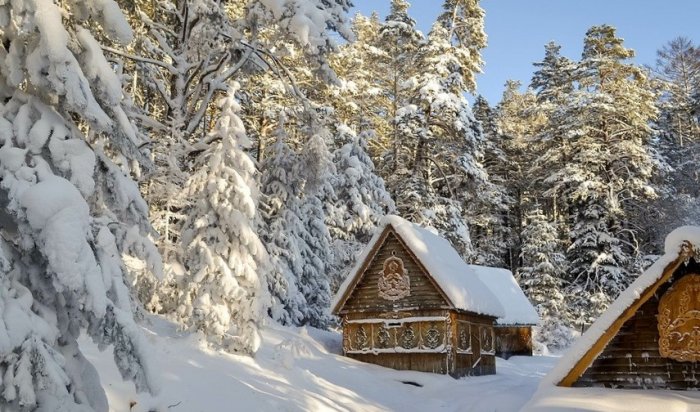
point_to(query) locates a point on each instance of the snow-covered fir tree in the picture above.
(222, 294)
(362, 200)
(281, 232)
(69, 214)
(317, 170)
(540, 277)
(297, 191)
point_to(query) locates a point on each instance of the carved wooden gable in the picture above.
(394, 280)
(679, 320)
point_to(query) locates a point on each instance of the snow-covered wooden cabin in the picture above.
(514, 329)
(649, 338)
(411, 303)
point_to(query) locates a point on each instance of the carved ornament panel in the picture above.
(679, 320)
(394, 283)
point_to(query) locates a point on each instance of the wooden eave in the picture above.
(597, 348)
(357, 276)
(514, 325)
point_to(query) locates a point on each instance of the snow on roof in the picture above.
(459, 282)
(673, 248)
(519, 310)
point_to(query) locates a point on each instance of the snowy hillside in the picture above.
(300, 369)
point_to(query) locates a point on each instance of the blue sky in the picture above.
(519, 29)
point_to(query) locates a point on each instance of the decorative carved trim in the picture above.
(408, 337)
(383, 337)
(361, 338)
(394, 282)
(346, 336)
(433, 337)
(688, 251)
(679, 320)
(464, 337)
(487, 340)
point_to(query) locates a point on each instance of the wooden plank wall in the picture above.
(513, 340)
(632, 361)
(365, 296)
(421, 362)
(476, 363)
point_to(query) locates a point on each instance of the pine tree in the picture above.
(443, 162)
(553, 84)
(399, 40)
(464, 20)
(678, 67)
(677, 74)
(517, 124)
(69, 213)
(358, 100)
(222, 296)
(609, 168)
(491, 234)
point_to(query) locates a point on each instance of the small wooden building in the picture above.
(411, 303)
(649, 338)
(514, 330)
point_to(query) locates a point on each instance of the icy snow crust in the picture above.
(673, 244)
(458, 280)
(519, 310)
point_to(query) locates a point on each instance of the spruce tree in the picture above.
(317, 170)
(222, 295)
(69, 215)
(281, 230)
(361, 201)
(541, 276)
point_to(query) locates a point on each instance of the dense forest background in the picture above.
(223, 162)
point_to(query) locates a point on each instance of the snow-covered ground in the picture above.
(556, 399)
(301, 369)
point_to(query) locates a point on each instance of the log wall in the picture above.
(435, 341)
(365, 296)
(418, 332)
